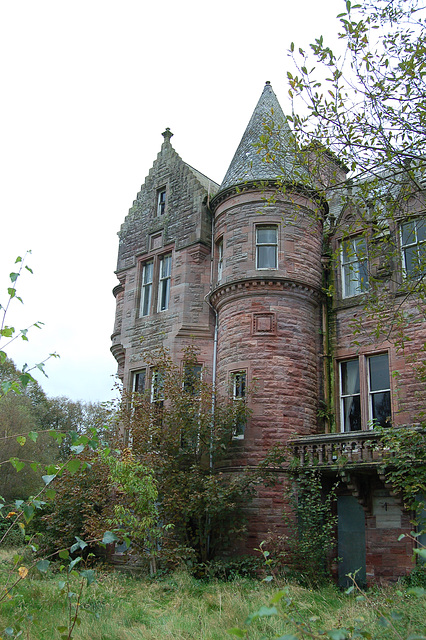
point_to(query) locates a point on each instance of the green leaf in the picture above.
(73, 563)
(77, 449)
(61, 629)
(28, 512)
(278, 596)
(395, 615)
(50, 494)
(338, 634)
(43, 565)
(80, 544)
(384, 622)
(21, 440)
(25, 379)
(64, 554)
(33, 435)
(109, 537)
(73, 465)
(3, 357)
(267, 611)
(48, 479)
(89, 574)
(236, 631)
(17, 464)
(419, 592)
(13, 276)
(288, 636)
(421, 553)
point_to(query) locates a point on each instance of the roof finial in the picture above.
(167, 134)
(267, 82)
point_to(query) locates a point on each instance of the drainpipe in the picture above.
(214, 363)
(216, 326)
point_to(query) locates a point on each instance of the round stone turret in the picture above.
(268, 296)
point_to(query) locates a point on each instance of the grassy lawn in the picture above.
(121, 607)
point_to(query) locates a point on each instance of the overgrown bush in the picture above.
(417, 577)
(175, 433)
(306, 552)
(82, 504)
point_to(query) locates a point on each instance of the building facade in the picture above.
(243, 271)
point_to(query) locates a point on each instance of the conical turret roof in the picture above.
(249, 162)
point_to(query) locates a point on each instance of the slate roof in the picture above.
(248, 163)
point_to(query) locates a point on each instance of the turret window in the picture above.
(267, 246)
(239, 392)
(220, 260)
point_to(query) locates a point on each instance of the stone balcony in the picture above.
(360, 450)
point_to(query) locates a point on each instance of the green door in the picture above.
(350, 540)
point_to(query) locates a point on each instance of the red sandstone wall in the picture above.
(269, 320)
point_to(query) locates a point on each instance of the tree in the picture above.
(358, 142)
(9, 334)
(366, 104)
(21, 423)
(178, 433)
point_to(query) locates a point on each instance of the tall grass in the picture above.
(120, 607)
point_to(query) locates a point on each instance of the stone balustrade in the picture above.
(337, 449)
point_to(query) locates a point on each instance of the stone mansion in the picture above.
(239, 270)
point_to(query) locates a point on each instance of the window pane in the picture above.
(164, 294)
(352, 414)
(350, 377)
(266, 257)
(239, 380)
(161, 202)
(147, 272)
(351, 281)
(381, 408)
(421, 230)
(379, 372)
(157, 386)
(266, 235)
(410, 259)
(354, 267)
(139, 382)
(166, 264)
(192, 378)
(146, 299)
(408, 233)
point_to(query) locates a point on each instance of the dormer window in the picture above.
(161, 201)
(354, 267)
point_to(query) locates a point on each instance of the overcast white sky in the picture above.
(87, 87)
